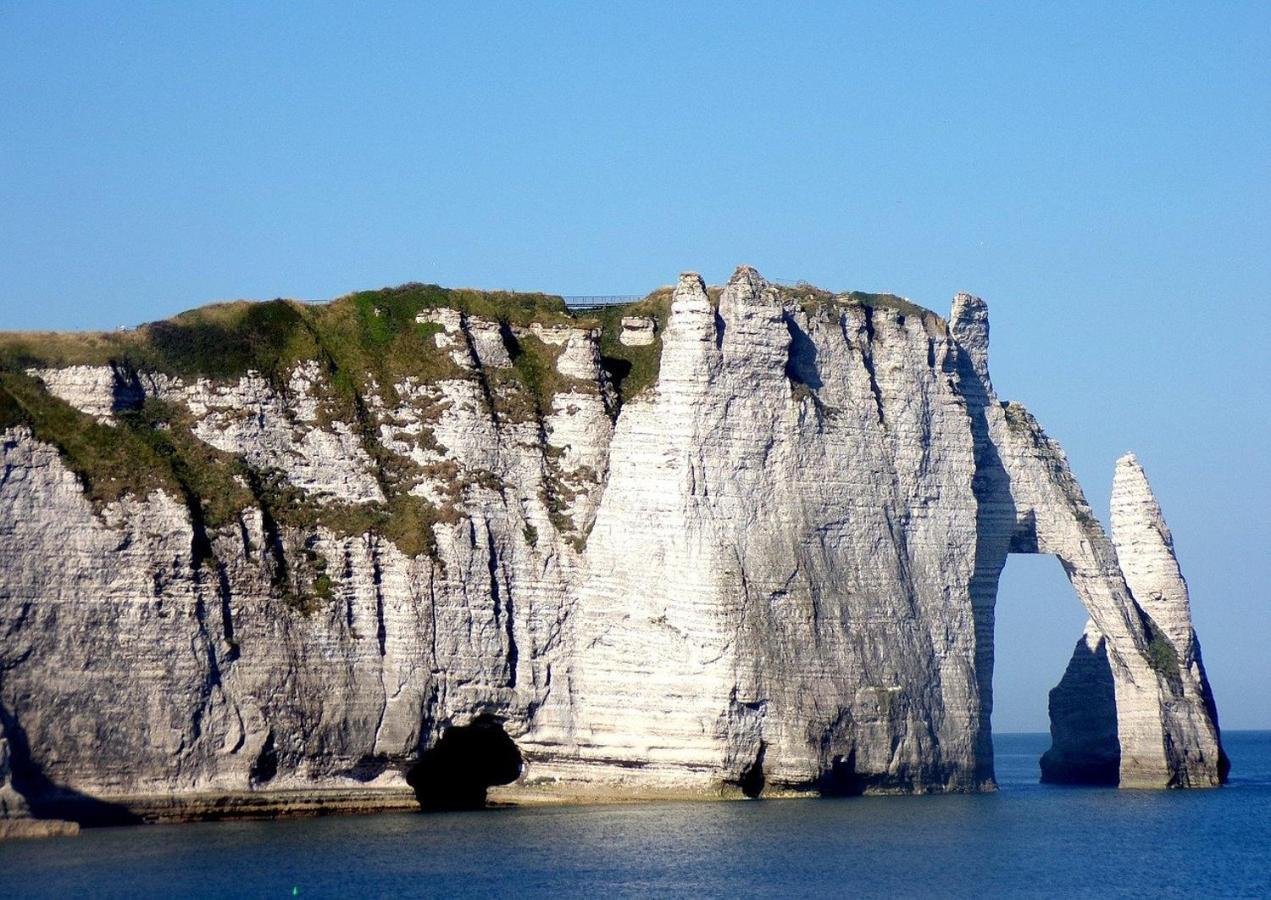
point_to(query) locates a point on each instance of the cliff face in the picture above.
(742, 540)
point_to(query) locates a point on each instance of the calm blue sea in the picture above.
(1025, 840)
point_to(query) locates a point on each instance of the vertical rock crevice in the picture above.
(867, 357)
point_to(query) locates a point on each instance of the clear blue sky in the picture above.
(1100, 173)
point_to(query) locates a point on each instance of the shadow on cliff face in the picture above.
(467, 761)
(801, 364)
(127, 392)
(752, 779)
(48, 800)
(991, 486)
(1083, 722)
(842, 779)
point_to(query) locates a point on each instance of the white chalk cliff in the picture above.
(772, 570)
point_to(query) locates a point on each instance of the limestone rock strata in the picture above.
(772, 570)
(637, 331)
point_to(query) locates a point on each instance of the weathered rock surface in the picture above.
(772, 570)
(637, 331)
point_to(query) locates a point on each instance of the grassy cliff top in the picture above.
(812, 298)
(371, 332)
(364, 343)
(227, 339)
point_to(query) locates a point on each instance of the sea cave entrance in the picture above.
(1036, 676)
(457, 771)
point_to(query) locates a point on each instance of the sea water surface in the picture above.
(1025, 840)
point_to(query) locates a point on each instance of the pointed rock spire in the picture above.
(690, 300)
(691, 314)
(690, 332)
(752, 323)
(749, 277)
(969, 322)
(1145, 551)
(690, 287)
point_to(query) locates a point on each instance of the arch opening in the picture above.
(1036, 614)
(457, 772)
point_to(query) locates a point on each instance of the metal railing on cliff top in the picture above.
(598, 300)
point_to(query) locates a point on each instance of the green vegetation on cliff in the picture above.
(109, 460)
(812, 299)
(633, 369)
(370, 336)
(153, 447)
(370, 333)
(888, 301)
(365, 344)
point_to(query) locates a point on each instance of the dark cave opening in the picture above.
(752, 778)
(842, 779)
(265, 766)
(460, 768)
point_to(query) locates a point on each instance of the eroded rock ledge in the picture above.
(720, 542)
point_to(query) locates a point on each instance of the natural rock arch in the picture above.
(1139, 640)
(774, 564)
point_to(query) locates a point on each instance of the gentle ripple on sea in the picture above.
(1025, 840)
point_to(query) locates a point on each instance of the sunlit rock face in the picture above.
(773, 569)
(637, 331)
